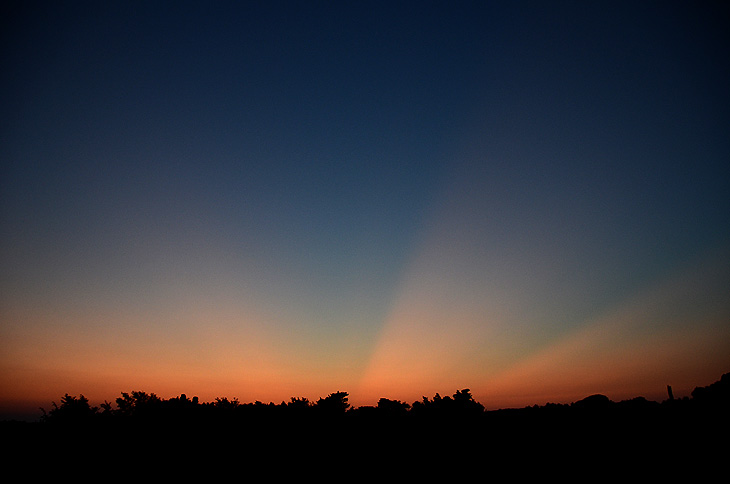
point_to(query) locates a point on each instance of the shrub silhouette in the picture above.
(717, 393)
(450, 431)
(139, 404)
(334, 404)
(392, 408)
(441, 420)
(72, 410)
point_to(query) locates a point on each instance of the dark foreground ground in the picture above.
(439, 439)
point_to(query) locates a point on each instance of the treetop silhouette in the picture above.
(459, 412)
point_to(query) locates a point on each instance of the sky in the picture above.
(267, 200)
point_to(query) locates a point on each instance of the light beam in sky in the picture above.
(250, 201)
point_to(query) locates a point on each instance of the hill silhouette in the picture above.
(686, 435)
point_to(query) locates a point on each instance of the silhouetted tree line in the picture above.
(454, 433)
(140, 407)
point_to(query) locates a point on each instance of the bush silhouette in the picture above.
(454, 431)
(441, 420)
(334, 404)
(72, 410)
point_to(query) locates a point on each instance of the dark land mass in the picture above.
(629, 440)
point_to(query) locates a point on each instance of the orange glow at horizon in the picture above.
(249, 359)
(633, 351)
(435, 340)
(636, 349)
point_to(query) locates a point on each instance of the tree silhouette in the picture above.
(299, 405)
(139, 404)
(464, 403)
(71, 410)
(461, 404)
(334, 404)
(439, 424)
(392, 408)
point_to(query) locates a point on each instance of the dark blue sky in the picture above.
(306, 159)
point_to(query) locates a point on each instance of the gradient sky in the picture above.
(265, 200)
